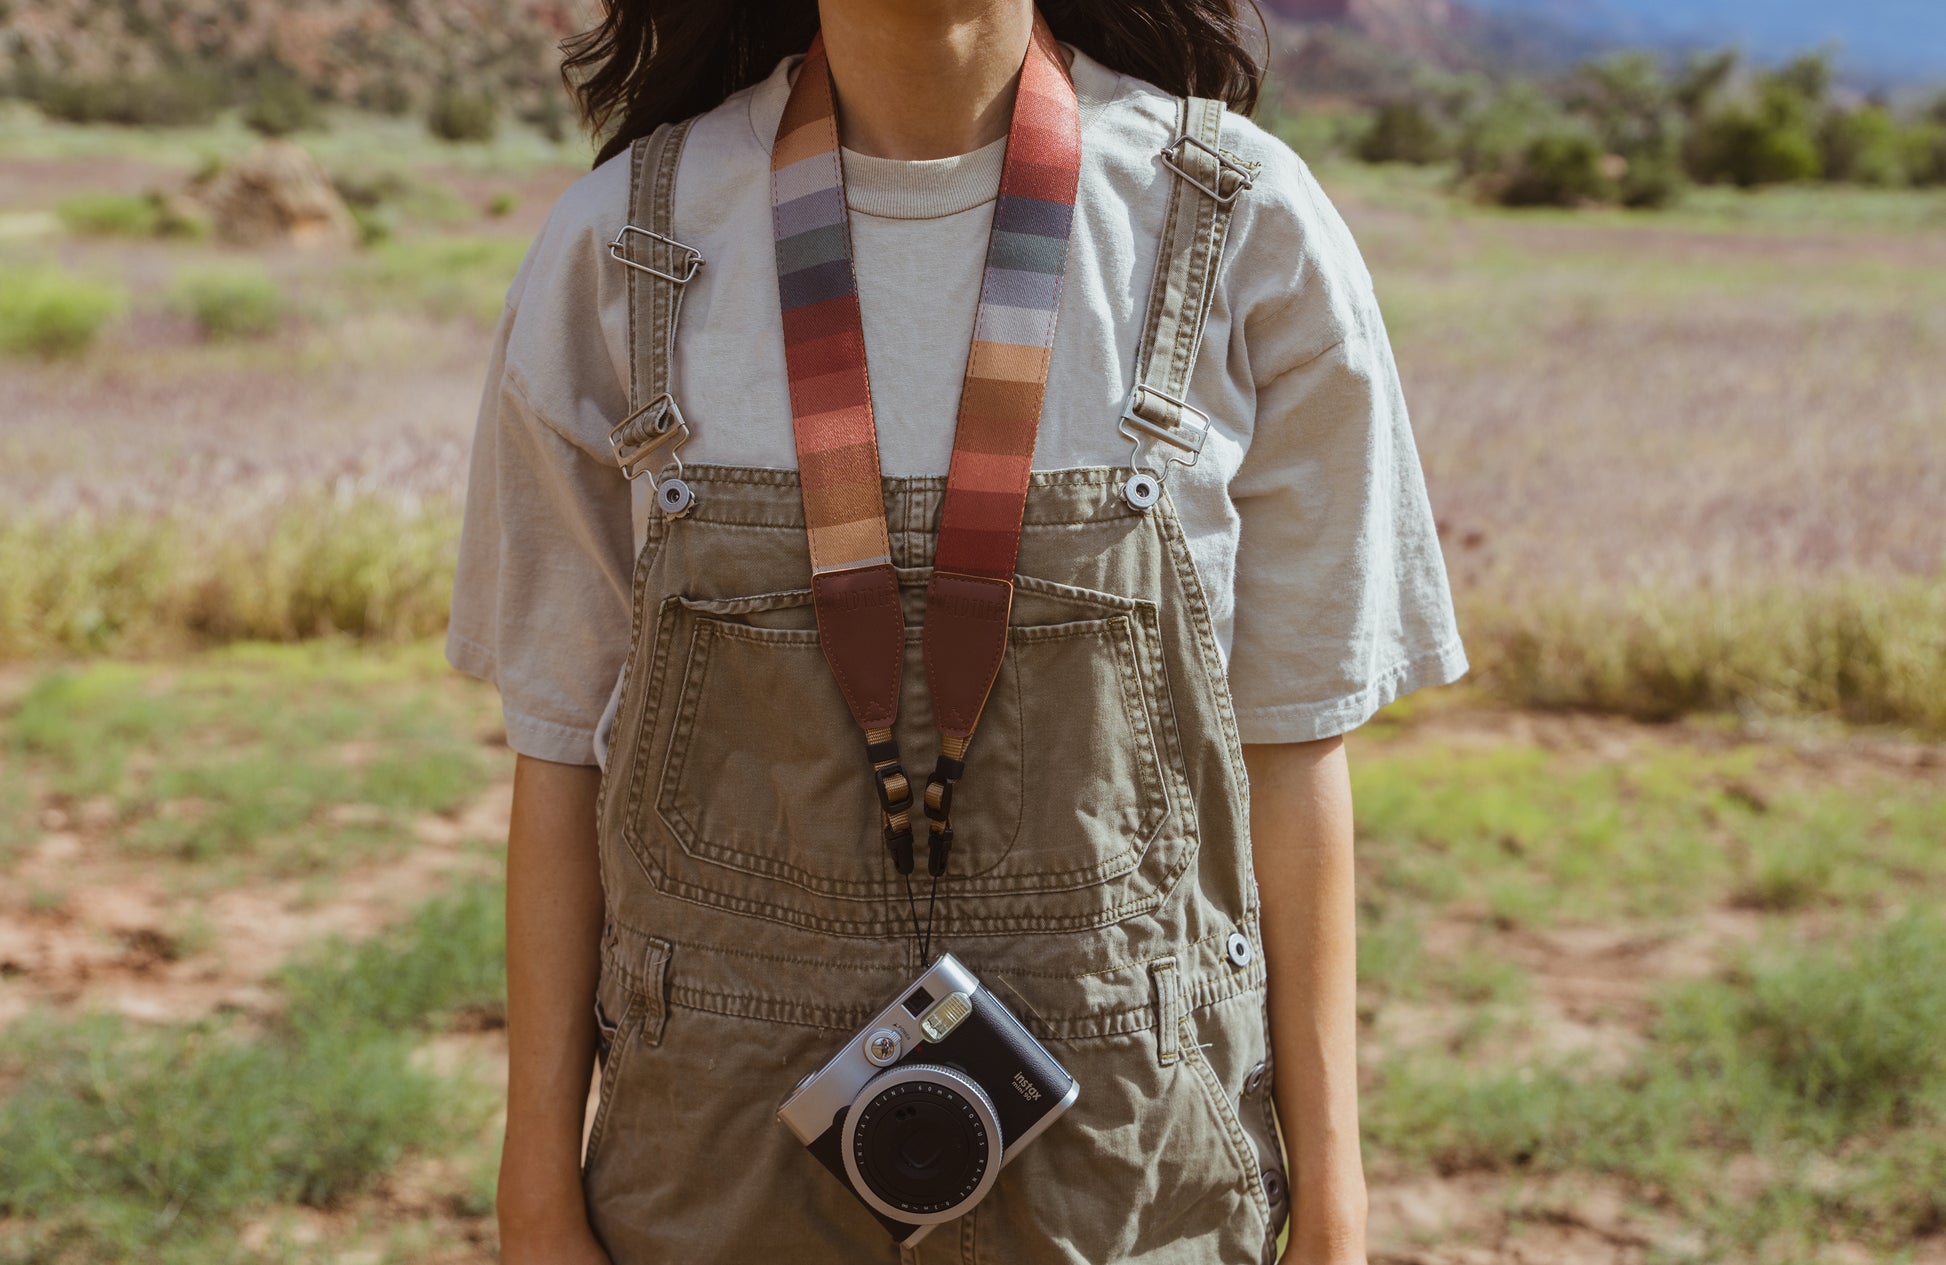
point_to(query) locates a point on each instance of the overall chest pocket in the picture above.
(752, 790)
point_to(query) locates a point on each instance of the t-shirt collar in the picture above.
(893, 188)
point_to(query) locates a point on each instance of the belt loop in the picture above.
(653, 981)
(1168, 1010)
(647, 968)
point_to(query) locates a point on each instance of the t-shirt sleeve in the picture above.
(1342, 602)
(541, 592)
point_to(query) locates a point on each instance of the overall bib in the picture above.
(1100, 881)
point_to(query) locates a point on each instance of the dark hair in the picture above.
(655, 61)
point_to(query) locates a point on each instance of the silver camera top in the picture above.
(926, 1011)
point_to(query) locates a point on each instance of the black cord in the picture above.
(912, 903)
(932, 903)
(924, 942)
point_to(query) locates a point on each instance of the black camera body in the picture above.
(919, 1110)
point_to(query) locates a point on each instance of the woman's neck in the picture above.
(924, 80)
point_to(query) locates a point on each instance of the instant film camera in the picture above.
(919, 1110)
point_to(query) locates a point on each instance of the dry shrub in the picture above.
(1870, 651)
(372, 568)
(50, 313)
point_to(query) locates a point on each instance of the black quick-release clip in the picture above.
(894, 796)
(946, 773)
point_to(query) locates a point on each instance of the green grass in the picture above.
(1829, 1042)
(1827, 1061)
(1722, 208)
(448, 276)
(110, 215)
(1814, 1063)
(1527, 839)
(1470, 289)
(17, 825)
(1811, 206)
(447, 961)
(232, 302)
(50, 313)
(131, 1144)
(397, 194)
(1511, 833)
(352, 138)
(257, 758)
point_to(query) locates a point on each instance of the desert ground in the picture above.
(1651, 930)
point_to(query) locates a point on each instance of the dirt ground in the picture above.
(115, 943)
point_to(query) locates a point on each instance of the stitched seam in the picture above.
(1219, 969)
(1204, 631)
(891, 921)
(569, 731)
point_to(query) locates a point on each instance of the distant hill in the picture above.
(1364, 48)
(385, 54)
(390, 54)
(1420, 28)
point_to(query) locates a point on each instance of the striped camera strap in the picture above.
(861, 623)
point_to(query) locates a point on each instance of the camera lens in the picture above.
(922, 1143)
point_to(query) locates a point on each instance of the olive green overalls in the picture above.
(1101, 883)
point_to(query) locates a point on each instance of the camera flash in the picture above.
(946, 1016)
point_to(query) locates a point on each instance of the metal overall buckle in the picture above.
(661, 417)
(666, 428)
(1144, 486)
(692, 259)
(1245, 177)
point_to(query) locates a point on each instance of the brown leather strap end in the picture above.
(966, 635)
(862, 628)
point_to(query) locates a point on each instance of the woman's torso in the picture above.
(919, 233)
(1101, 882)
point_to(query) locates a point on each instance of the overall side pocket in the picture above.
(614, 1038)
(629, 1011)
(1234, 1150)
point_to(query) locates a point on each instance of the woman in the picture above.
(966, 246)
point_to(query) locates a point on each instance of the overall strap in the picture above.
(660, 268)
(1158, 418)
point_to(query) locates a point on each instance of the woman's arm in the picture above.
(554, 913)
(1301, 838)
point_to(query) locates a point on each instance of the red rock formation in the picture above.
(1312, 10)
(1422, 28)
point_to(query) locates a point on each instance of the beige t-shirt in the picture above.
(1306, 514)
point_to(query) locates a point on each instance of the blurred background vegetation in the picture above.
(1650, 950)
(1633, 129)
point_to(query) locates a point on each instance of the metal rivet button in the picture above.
(1273, 1186)
(1256, 1079)
(1238, 948)
(675, 497)
(1142, 491)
